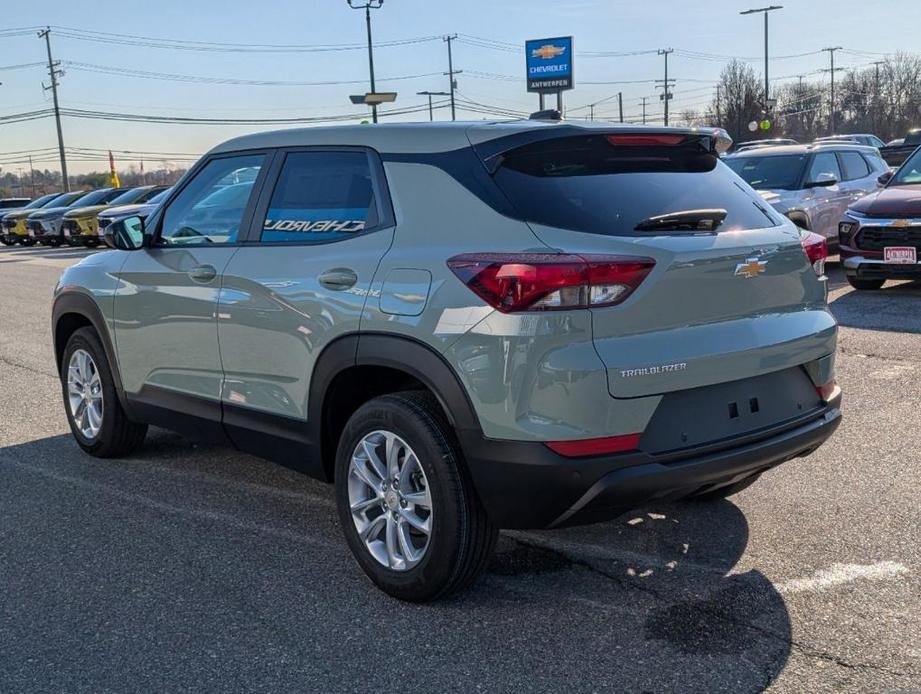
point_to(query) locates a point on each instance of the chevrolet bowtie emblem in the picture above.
(752, 267)
(901, 223)
(548, 51)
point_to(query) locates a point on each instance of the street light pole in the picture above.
(765, 10)
(367, 7)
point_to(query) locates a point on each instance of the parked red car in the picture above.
(880, 235)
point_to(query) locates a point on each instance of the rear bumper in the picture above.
(526, 485)
(874, 268)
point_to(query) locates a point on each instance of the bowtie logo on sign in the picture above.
(548, 51)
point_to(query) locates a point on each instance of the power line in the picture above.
(224, 47)
(145, 74)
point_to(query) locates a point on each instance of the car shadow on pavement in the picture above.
(896, 307)
(193, 563)
(61, 252)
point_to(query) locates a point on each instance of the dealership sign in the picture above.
(549, 64)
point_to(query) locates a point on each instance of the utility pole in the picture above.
(665, 83)
(54, 73)
(591, 111)
(430, 95)
(450, 73)
(876, 100)
(765, 10)
(831, 115)
(644, 108)
(32, 175)
(620, 105)
(367, 7)
(719, 112)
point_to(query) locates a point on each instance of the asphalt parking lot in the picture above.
(197, 568)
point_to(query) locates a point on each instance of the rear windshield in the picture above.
(589, 184)
(777, 172)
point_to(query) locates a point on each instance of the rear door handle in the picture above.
(203, 273)
(338, 279)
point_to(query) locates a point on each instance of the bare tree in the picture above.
(741, 95)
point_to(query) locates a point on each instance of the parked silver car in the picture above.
(811, 184)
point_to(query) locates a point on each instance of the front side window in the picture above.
(854, 166)
(824, 168)
(321, 197)
(210, 208)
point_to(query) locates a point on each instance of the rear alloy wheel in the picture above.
(406, 505)
(869, 285)
(94, 412)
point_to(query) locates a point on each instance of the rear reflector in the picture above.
(585, 447)
(511, 282)
(828, 391)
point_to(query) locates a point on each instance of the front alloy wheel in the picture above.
(84, 393)
(390, 501)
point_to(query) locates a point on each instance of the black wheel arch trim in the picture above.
(425, 364)
(84, 305)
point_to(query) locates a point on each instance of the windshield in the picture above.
(781, 172)
(159, 197)
(129, 196)
(598, 185)
(910, 172)
(66, 199)
(40, 202)
(97, 197)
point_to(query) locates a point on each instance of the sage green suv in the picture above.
(464, 327)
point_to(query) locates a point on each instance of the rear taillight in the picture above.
(511, 282)
(816, 249)
(586, 447)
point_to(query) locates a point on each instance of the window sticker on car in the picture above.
(319, 224)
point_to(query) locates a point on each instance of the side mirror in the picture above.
(125, 234)
(884, 178)
(823, 181)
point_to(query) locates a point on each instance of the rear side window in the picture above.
(321, 197)
(854, 166)
(597, 185)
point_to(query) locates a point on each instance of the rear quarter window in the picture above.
(589, 184)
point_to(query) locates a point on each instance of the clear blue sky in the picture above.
(704, 26)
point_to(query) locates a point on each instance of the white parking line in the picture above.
(838, 574)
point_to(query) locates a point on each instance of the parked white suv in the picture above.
(814, 184)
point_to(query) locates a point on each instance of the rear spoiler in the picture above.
(712, 139)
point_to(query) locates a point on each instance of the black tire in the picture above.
(27, 241)
(865, 285)
(5, 241)
(724, 492)
(462, 537)
(118, 436)
(53, 242)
